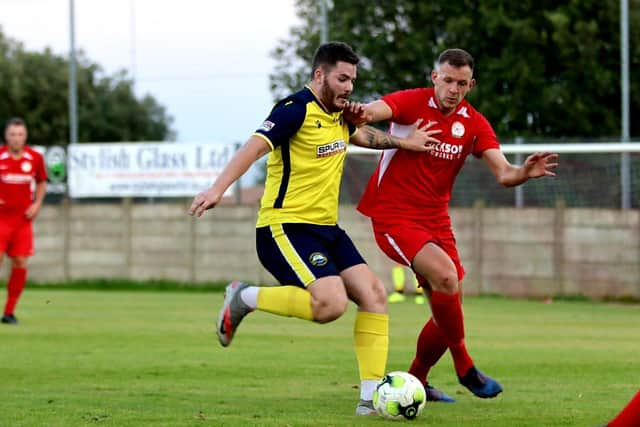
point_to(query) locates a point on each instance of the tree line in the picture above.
(544, 68)
(34, 86)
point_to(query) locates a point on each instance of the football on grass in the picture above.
(399, 395)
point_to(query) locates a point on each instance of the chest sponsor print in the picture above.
(331, 149)
(448, 151)
(16, 178)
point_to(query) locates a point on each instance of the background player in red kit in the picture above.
(630, 414)
(408, 196)
(20, 166)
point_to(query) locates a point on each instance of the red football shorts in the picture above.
(401, 241)
(16, 235)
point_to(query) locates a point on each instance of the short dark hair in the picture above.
(328, 55)
(14, 121)
(457, 58)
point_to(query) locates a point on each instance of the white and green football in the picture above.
(399, 395)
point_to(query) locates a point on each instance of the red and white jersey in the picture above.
(417, 186)
(17, 177)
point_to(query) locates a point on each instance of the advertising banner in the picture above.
(144, 169)
(55, 160)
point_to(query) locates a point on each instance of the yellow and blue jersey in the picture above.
(304, 168)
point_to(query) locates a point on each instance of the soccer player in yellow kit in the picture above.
(297, 238)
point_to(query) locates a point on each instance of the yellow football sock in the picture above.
(397, 276)
(289, 301)
(371, 336)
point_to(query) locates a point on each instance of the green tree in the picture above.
(548, 69)
(34, 86)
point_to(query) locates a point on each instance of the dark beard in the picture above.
(327, 97)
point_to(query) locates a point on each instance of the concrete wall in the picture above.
(518, 252)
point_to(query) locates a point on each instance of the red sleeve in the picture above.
(485, 136)
(405, 105)
(41, 170)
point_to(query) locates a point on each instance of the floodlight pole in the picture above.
(132, 29)
(519, 189)
(324, 24)
(625, 166)
(73, 81)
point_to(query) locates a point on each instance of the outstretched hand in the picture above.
(421, 138)
(540, 164)
(204, 201)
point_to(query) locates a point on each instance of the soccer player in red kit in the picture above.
(20, 167)
(407, 199)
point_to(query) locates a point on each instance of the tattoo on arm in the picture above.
(377, 139)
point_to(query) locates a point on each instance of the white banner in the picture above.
(144, 169)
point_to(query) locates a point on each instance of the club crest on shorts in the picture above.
(457, 129)
(318, 259)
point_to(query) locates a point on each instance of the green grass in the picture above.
(84, 358)
(131, 285)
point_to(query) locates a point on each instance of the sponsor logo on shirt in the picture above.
(331, 149)
(16, 178)
(448, 151)
(267, 126)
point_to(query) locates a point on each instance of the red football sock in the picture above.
(15, 286)
(432, 344)
(630, 415)
(447, 313)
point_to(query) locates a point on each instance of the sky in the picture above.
(206, 61)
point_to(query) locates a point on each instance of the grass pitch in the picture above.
(83, 358)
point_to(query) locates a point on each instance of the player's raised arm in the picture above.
(535, 166)
(252, 150)
(421, 139)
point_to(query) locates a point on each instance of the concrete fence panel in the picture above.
(519, 252)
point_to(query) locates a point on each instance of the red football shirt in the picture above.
(17, 177)
(417, 186)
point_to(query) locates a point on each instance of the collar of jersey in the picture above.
(317, 99)
(461, 110)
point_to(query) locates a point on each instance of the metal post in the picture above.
(132, 29)
(324, 24)
(73, 81)
(519, 190)
(238, 183)
(625, 164)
